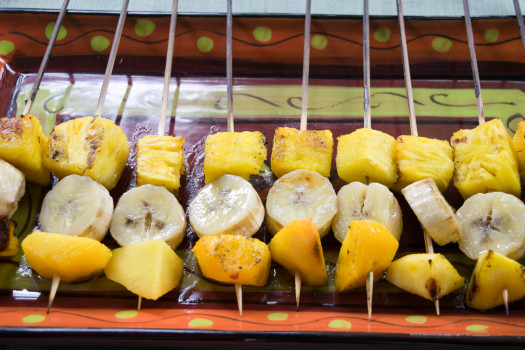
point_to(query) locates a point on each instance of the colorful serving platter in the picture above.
(267, 55)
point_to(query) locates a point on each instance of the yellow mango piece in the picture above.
(420, 158)
(302, 149)
(493, 274)
(21, 144)
(234, 153)
(73, 258)
(149, 269)
(297, 247)
(485, 160)
(8, 240)
(90, 146)
(160, 161)
(367, 153)
(368, 246)
(233, 259)
(430, 276)
(519, 145)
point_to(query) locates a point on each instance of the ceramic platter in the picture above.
(267, 65)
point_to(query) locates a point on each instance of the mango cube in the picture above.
(368, 247)
(235, 153)
(485, 160)
(492, 274)
(421, 158)
(233, 259)
(302, 149)
(430, 276)
(297, 247)
(160, 161)
(149, 269)
(22, 143)
(367, 153)
(90, 146)
(73, 258)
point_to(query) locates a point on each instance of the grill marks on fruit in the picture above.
(432, 285)
(9, 127)
(4, 233)
(93, 143)
(462, 139)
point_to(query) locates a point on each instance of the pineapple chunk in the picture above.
(235, 153)
(485, 160)
(233, 259)
(8, 240)
(160, 161)
(493, 274)
(21, 144)
(91, 146)
(73, 258)
(297, 247)
(307, 149)
(420, 158)
(519, 144)
(368, 247)
(367, 153)
(430, 276)
(149, 269)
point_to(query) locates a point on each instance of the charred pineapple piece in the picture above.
(21, 144)
(485, 160)
(367, 153)
(160, 161)
(91, 146)
(234, 153)
(302, 149)
(8, 240)
(519, 144)
(421, 158)
(233, 259)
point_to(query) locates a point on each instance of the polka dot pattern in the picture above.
(441, 44)
(382, 34)
(144, 27)
(33, 319)
(319, 42)
(62, 32)
(491, 35)
(6, 47)
(99, 43)
(277, 316)
(205, 44)
(126, 314)
(340, 324)
(416, 319)
(477, 328)
(200, 323)
(262, 34)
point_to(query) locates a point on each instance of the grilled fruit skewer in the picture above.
(374, 202)
(77, 206)
(12, 188)
(436, 216)
(301, 194)
(230, 205)
(493, 221)
(146, 213)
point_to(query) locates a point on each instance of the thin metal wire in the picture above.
(45, 59)
(111, 59)
(366, 65)
(167, 70)
(229, 66)
(306, 65)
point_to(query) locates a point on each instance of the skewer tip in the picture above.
(139, 303)
(297, 290)
(506, 301)
(436, 305)
(238, 293)
(52, 293)
(369, 293)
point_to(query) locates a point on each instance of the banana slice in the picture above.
(298, 195)
(493, 221)
(146, 213)
(373, 202)
(77, 206)
(228, 204)
(436, 216)
(12, 188)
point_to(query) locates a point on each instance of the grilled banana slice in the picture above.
(298, 195)
(373, 202)
(494, 221)
(77, 206)
(146, 213)
(12, 188)
(436, 216)
(228, 204)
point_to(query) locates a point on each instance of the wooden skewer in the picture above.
(45, 59)
(369, 293)
(474, 63)
(238, 294)
(111, 59)
(519, 17)
(52, 293)
(411, 110)
(297, 290)
(139, 304)
(506, 301)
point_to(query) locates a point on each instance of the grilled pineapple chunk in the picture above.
(302, 149)
(21, 144)
(91, 146)
(235, 153)
(8, 240)
(485, 160)
(519, 144)
(160, 161)
(367, 153)
(421, 158)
